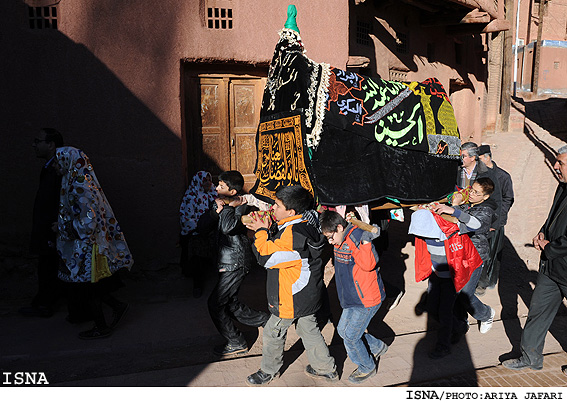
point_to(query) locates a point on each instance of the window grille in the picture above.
(219, 18)
(363, 31)
(402, 43)
(397, 75)
(43, 17)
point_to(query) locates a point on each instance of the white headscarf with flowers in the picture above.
(195, 202)
(86, 222)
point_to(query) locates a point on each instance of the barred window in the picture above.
(363, 31)
(219, 18)
(43, 17)
(402, 43)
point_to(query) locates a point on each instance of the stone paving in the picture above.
(166, 338)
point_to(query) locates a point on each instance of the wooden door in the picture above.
(245, 97)
(229, 113)
(215, 153)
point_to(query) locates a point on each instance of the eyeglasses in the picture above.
(473, 192)
(330, 237)
(37, 141)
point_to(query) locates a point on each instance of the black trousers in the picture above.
(547, 297)
(224, 306)
(50, 288)
(440, 302)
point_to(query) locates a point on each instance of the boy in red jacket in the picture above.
(360, 291)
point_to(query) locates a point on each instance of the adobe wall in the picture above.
(463, 79)
(109, 79)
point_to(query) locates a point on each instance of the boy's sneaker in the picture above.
(396, 300)
(359, 377)
(487, 324)
(329, 377)
(260, 378)
(227, 350)
(381, 352)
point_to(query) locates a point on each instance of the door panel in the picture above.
(245, 101)
(223, 113)
(214, 113)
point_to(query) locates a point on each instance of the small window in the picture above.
(219, 18)
(402, 43)
(363, 31)
(43, 17)
(397, 75)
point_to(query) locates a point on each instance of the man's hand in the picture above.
(257, 223)
(443, 208)
(539, 241)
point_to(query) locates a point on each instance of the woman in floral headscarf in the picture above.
(195, 240)
(90, 242)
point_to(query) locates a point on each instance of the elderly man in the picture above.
(551, 285)
(491, 269)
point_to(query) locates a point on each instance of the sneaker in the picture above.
(227, 350)
(118, 314)
(359, 377)
(518, 363)
(396, 300)
(261, 378)
(487, 324)
(329, 377)
(95, 333)
(381, 352)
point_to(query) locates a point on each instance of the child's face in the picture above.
(280, 211)
(223, 190)
(336, 237)
(476, 194)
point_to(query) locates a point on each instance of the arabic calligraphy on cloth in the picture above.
(281, 155)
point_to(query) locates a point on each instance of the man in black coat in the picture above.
(43, 238)
(471, 169)
(491, 269)
(551, 285)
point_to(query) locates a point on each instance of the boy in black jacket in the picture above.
(234, 260)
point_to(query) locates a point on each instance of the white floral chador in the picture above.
(195, 202)
(90, 242)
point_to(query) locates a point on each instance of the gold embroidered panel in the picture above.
(281, 156)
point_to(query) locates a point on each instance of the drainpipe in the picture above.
(516, 50)
(537, 48)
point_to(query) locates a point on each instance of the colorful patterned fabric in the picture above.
(365, 138)
(195, 202)
(87, 224)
